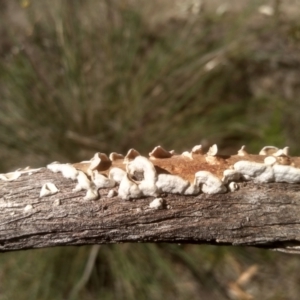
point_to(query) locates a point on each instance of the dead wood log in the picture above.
(260, 215)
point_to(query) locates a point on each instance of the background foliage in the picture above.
(78, 77)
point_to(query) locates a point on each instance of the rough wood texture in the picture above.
(263, 215)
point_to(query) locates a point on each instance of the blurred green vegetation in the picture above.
(78, 77)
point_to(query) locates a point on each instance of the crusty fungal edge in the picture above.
(190, 173)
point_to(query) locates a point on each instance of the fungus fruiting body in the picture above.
(67, 170)
(83, 183)
(233, 186)
(116, 174)
(91, 194)
(157, 203)
(211, 184)
(101, 181)
(160, 152)
(128, 189)
(28, 207)
(142, 164)
(174, 184)
(48, 189)
(10, 176)
(111, 194)
(165, 172)
(16, 174)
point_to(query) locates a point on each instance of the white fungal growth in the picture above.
(231, 175)
(101, 181)
(213, 150)
(115, 156)
(187, 154)
(144, 165)
(192, 189)
(28, 207)
(265, 173)
(211, 156)
(286, 174)
(48, 189)
(268, 150)
(56, 202)
(282, 152)
(111, 194)
(160, 152)
(128, 189)
(100, 162)
(255, 171)
(242, 151)
(174, 184)
(233, 186)
(91, 194)
(168, 183)
(131, 154)
(83, 183)
(16, 174)
(270, 160)
(210, 184)
(157, 203)
(10, 176)
(67, 170)
(197, 149)
(116, 174)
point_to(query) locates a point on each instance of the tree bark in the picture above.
(261, 215)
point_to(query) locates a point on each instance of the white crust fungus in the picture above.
(192, 189)
(56, 202)
(101, 181)
(83, 183)
(266, 173)
(255, 171)
(100, 162)
(268, 150)
(242, 151)
(270, 160)
(28, 207)
(174, 184)
(157, 203)
(111, 194)
(187, 154)
(286, 174)
(282, 152)
(10, 176)
(128, 189)
(116, 174)
(67, 170)
(230, 175)
(91, 194)
(212, 151)
(143, 164)
(160, 152)
(115, 156)
(211, 155)
(233, 186)
(131, 154)
(168, 183)
(16, 174)
(48, 189)
(210, 184)
(197, 149)
(141, 179)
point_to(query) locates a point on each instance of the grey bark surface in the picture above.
(261, 215)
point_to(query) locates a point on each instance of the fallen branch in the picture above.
(257, 214)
